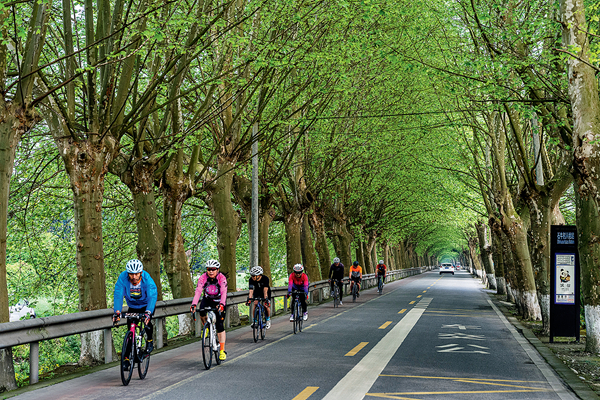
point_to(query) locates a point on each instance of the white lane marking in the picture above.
(357, 383)
(455, 348)
(548, 373)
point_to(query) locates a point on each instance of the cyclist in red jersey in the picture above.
(299, 281)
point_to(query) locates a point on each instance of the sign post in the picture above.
(564, 282)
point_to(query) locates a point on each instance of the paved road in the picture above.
(427, 337)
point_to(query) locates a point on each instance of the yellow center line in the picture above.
(429, 287)
(306, 393)
(356, 349)
(424, 291)
(419, 296)
(412, 302)
(402, 311)
(449, 378)
(395, 395)
(385, 325)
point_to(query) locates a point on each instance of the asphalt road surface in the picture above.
(426, 337)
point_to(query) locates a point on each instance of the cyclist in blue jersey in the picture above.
(139, 290)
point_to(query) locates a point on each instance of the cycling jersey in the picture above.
(381, 268)
(259, 286)
(214, 289)
(142, 295)
(355, 272)
(336, 272)
(298, 283)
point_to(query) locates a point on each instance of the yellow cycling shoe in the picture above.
(222, 355)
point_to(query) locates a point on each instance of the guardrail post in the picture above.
(159, 333)
(284, 304)
(107, 346)
(34, 362)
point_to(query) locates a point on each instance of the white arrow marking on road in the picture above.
(457, 349)
(462, 327)
(460, 336)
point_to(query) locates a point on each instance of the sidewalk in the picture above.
(579, 387)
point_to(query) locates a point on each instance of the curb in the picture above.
(570, 379)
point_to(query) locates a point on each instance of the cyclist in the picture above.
(139, 289)
(381, 269)
(355, 277)
(214, 286)
(299, 281)
(258, 287)
(336, 273)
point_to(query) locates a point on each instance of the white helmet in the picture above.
(380, 261)
(336, 260)
(134, 266)
(298, 268)
(255, 271)
(213, 264)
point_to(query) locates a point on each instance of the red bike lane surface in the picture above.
(174, 366)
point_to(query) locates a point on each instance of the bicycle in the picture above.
(259, 323)
(297, 310)
(210, 339)
(134, 348)
(336, 293)
(380, 279)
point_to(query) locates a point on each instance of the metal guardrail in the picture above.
(33, 331)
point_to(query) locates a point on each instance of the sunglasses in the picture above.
(297, 273)
(212, 269)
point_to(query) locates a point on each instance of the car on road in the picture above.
(457, 267)
(447, 268)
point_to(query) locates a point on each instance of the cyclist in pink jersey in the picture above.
(214, 286)
(299, 281)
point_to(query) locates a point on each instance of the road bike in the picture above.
(380, 279)
(297, 310)
(336, 293)
(134, 348)
(354, 291)
(259, 323)
(210, 339)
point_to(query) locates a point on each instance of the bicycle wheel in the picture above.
(336, 296)
(143, 358)
(354, 291)
(295, 314)
(127, 358)
(300, 317)
(380, 285)
(255, 323)
(206, 348)
(216, 347)
(263, 323)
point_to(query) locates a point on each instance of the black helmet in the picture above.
(355, 263)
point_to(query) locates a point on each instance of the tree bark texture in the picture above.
(293, 244)
(486, 255)
(316, 220)
(176, 190)
(227, 219)
(585, 105)
(309, 256)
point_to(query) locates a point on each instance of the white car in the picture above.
(20, 310)
(447, 268)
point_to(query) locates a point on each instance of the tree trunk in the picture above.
(498, 263)
(360, 254)
(11, 130)
(539, 247)
(264, 222)
(486, 255)
(342, 242)
(86, 163)
(318, 229)
(372, 239)
(176, 190)
(293, 245)
(309, 256)
(227, 219)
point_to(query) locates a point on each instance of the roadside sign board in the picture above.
(564, 282)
